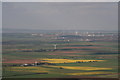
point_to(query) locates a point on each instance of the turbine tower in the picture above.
(55, 46)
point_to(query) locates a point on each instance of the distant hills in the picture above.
(7, 30)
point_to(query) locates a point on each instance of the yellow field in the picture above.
(87, 73)
(41, 69)
(67, 60)
(81, 68)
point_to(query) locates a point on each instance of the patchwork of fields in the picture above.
(28, 56)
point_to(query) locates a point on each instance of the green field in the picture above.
(21, 48)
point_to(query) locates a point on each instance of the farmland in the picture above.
(60, 55)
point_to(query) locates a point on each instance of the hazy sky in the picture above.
(60, 0)
(61, 15)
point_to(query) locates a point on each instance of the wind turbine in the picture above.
(55, 46)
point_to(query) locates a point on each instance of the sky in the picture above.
(60, 0)
(60, 15)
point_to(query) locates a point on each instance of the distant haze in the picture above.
(60, 15)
